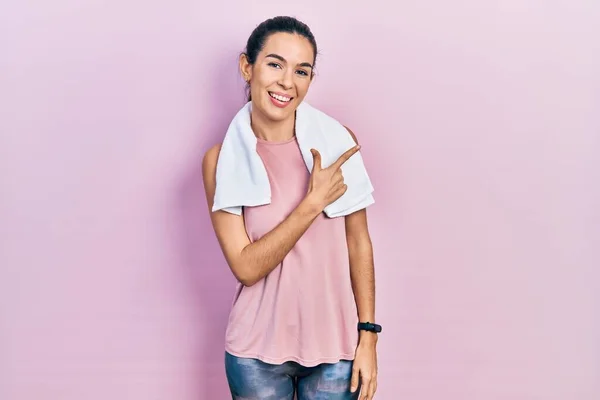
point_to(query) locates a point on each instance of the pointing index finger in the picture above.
(345, 157)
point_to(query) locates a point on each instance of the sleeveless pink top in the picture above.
(304, 310)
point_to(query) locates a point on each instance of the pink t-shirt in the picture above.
(304, 310)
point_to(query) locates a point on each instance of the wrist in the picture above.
(311, 206)
(368, 332)
(367, 338)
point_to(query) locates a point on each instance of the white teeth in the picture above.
(280, 98)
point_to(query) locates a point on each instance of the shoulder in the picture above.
(209, 161)
(352, 134)
(212, 155)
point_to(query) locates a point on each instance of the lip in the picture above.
(278, 103)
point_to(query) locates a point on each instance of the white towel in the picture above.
(242, 179)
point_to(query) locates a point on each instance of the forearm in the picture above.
(362, 274)
(264, 255)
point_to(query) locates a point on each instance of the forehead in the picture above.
(294, 48)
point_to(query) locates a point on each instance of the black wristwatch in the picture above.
(368, 326)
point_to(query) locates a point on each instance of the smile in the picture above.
(281, 98)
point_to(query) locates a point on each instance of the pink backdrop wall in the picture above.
(480, 125)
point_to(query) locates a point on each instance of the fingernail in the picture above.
(358, 147)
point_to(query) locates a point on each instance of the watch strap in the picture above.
(369, 326)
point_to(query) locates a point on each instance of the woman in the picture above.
(306, 281)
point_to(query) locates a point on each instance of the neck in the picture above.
(272, 131)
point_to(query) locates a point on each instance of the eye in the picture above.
(273, 64)
(303, 72)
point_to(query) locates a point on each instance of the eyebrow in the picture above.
(277, 56)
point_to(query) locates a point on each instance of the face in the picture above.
(281, 75)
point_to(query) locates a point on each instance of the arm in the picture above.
(248, 261)
(362, 274)
(362, 270)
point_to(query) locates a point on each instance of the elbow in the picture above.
(248, 282)
(360, 252)
(246, 270)
(245, 277)
(360, 244)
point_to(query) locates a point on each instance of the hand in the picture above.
(327, 184)
(365, 368)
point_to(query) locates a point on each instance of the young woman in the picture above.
(306, 289)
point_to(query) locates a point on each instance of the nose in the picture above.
(285, 80)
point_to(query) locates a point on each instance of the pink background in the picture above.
(480, 126)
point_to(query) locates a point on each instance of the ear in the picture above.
(245, 67)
